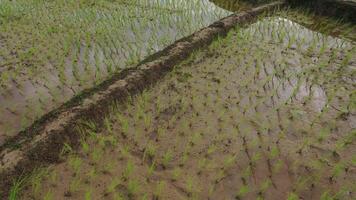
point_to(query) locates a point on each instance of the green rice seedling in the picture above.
(242, 192)
(326, 196)
(118, 196)
(16, 188)
(337, 170)
(124, 124)
(36, 180)
(202, 164)
(167, 158)
(88, 194)
(189, 186)
(129, 169)
(85, 146)
(229, 161)
(301, 183)
(66, 150)
(265, 185)
(48, 195)
(160, 187)
(220, 175)
(292, 196)
(160, 132)
(151, 169)
(115, 182)
(195, 138)
(323, 134)
(125, 151)
(256, 157)
(212, 148)
(109, 168)
(274, 152)
(147, 120)
(74, 185)
(53, 177)
(150, 151)
(345, 62)
(247, 173)
(345, 141)
(108, 125)
(176, 174)
(92, 173)
(185, 156)
(75, 162)
(96, 154)
(133, 187)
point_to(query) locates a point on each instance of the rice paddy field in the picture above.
(50, 51)
(266, 112)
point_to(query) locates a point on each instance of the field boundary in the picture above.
(42, 143)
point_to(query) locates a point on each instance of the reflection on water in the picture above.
(79, 46)
(307, 66)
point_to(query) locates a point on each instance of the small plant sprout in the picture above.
(160, 187)
(337, 170)
(36, 180)
(150, 151)
(88, 194)
(48, 196)
(16, 188)
(74, 185)
(128, 170)
(274, 152)
(133, 187)
(292, 196)
(189, 185)
(176, 173)
(326, 196)
(96, 154)
(211, 149)
(265, 185)
(85, 146)
(125, 151)
(108, 125)
(75, 163)
(118, 196)
(151, 169)
(167, 158)
(113, 185)
(92, 173)
(66, 149)
(242, 192)
(124, 124)
(229, 161)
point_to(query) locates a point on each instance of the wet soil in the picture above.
(257, 115)
(48, 58)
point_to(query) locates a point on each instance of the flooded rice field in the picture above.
(50, 51)
(269, 112)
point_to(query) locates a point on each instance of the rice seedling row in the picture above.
(266, 113)
(50, 51)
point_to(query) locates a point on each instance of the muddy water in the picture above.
(93, 42)
(251, 117)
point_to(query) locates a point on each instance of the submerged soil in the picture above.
(52, 51)
(261, 114)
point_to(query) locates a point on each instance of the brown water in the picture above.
(254, 116)
(87, 45)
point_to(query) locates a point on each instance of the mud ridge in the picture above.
(42, 143)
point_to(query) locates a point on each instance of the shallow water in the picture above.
(113, 37)
(238, 120)
(81, 57)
